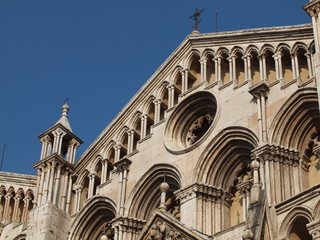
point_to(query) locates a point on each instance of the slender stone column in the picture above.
(260, 93)
(15, 208)
(170, 96)
(117, 148)
(157, 103)
(217, 69)
(263, 116)
(276, 61)
(246, 68)
(78, 198)
(57, 185)
(310, 65)
(46, 183)
(261, 67)
(41, 185)
(144, 118)
(234, 70)
(249, 67)
(120, 192)
(68, 203)
(280, 66)
(123, 190)
(123, 168)
(130, 140)
(25, 212)
(293, 65)
(184, 74)
(296, 65)
(37, 186)
(51, 180)
(91, 184)
(103, 170)
(7, 206)
(64, 190)
(231, 79)
(203, 66)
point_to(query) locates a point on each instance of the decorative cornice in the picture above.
(202, 191)
(128, 223)
(276, 154)
(312, 8)
(56, 158)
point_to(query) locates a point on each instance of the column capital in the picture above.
(157, 101)
(123, 164)
(144, 116)
(91, 175)
(170, 86)
(312, 8)
(203, 60)
(184, 71)
(259, 90)
(277, 56)
(45, 139)
(74, 142)
(117, 146)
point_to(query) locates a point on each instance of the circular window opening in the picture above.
(190, 123)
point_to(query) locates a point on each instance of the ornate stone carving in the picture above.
(162, 231)
(277, 154)
(199, 128)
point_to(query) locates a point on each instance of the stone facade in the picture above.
(222, 142)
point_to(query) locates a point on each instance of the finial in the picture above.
(65, 107)
(197, 19)
(164, 186)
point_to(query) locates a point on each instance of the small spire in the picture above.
(64, 116)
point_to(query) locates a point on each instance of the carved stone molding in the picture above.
(312, 8)
(123, 164)
(202, 191)
(128, 224)
(314, 229)
(276, 154)
(260, 89)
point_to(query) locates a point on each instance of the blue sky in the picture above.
(98, 53)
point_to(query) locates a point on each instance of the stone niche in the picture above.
(191, 122)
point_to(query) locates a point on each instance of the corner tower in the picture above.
(54, 182)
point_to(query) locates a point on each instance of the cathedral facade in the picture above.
(222, 142)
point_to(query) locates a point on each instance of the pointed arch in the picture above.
(293, 122)
(252, 53)
(225, 150)
(251, 48)
(189, 58)
(145, 197)
(265, 48)
(91, 220)
(298, 213)
(236, 49)
(109, 152)
(94, 163)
